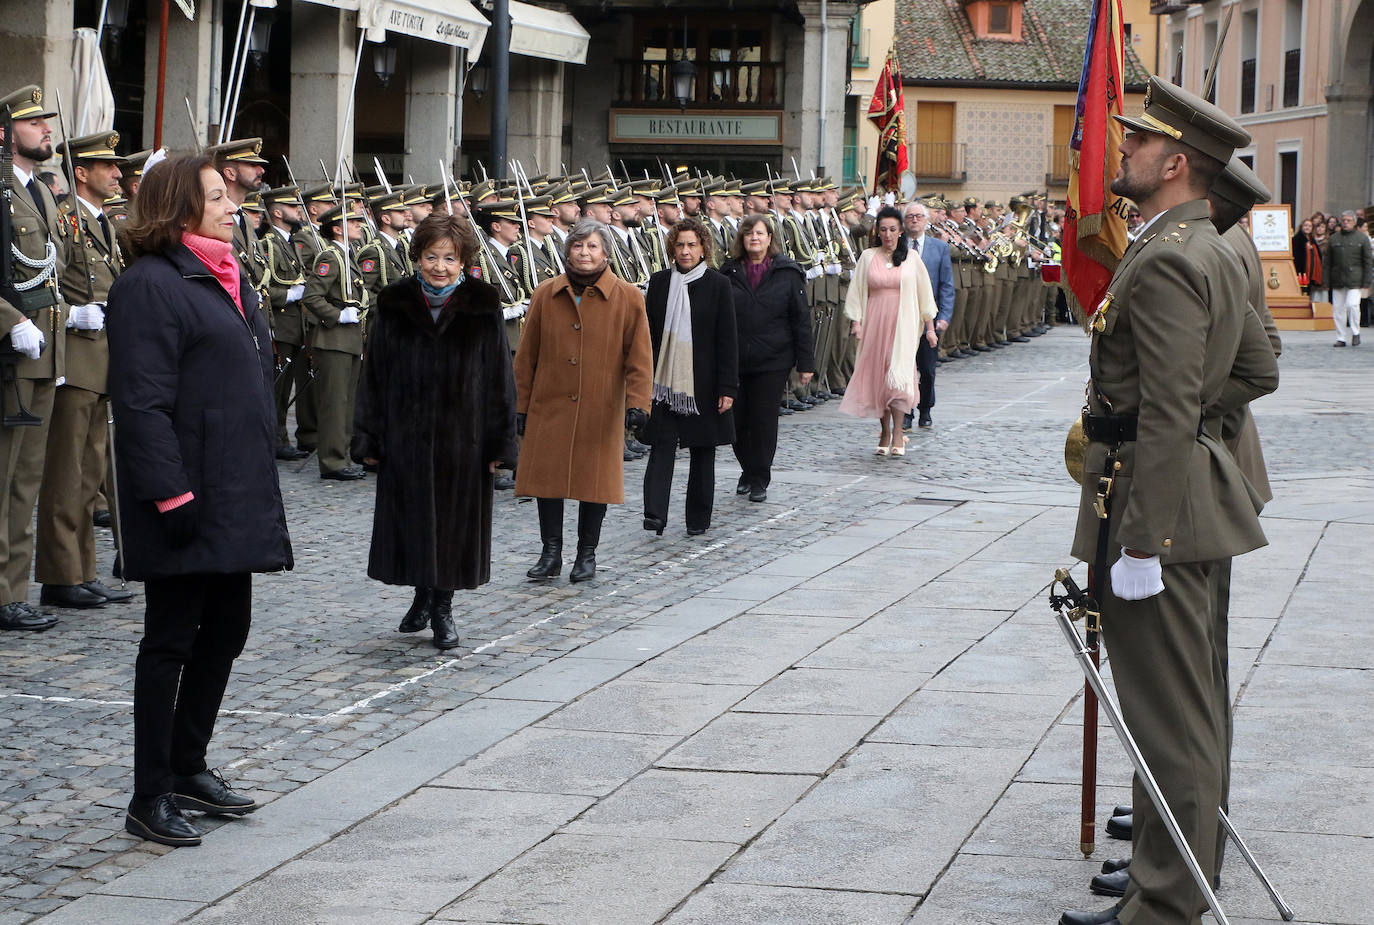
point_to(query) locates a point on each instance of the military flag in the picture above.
(1095, 220)
(888, 112)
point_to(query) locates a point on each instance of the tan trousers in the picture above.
(336, 391)
(22, 450)
(72, 475)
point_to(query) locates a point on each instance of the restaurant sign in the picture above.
(710, 127)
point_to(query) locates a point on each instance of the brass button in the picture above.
(1183, 224)
(573, 397)
(577, 326)
(573, 361)
(1168, 543)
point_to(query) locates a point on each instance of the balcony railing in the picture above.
(856, 165)
(1172, 6)
(1057, 165)
(937, 160)
(718, 83)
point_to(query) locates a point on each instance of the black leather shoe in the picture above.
(584, 566)
(207, 792)
(742, 487)
(305, 447)
(159, 819)
(16, 616)
(1105, 917)
(982, 348)
(1339, 343)
(1114, 864)
(441, 621)
(1113, 884)
(504, 483)
(924, 420)
(758, 494)
(628, 456)
(655, 524)
(839, 392)
(696, 531)
(291, 454)
(101, 518)
(417, 616)
(1355, 341)
(70, 596)
(795, 405)
(1020, 339)
(346, 474)
(550, 560)
(637, 447)
(1122, 809)
(110, 594)
(1119, 827)
(784, 411)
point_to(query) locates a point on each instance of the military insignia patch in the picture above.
(369, 265)
(323, 269)
(476, 272)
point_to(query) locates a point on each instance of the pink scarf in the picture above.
(219, 259)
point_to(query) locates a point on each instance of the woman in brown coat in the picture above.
(584, 358)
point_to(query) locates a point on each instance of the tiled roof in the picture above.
(936, 44)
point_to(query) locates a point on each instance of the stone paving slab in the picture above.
(548, 760)
(773, 743)
(734, 904)
(653, 707)
(826, 691)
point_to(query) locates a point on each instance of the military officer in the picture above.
(718, 221)
(1166, 341)
(337, 299)
(65, 555)
(386, 258)
(241, 165)
(631, 255)
(499, 220)
(285, 284)
(33, 320)
(539, 245)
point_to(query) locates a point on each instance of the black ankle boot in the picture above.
(417, 616)
(584, 566)
(656, 524)
(550, 560)
(441, 620)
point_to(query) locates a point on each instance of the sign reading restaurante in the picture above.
(720, 127)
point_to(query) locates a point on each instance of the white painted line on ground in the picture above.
(1012, 403)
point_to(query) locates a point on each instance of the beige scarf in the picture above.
(674, 377)
(915, 306)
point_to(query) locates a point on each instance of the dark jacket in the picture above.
(436, 404)
(1347, 260)
(715, 355)
(774, 321)
(191, 384)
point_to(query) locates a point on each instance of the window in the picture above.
(999, 19)
(732, 62)
(1288, 178)
(1249, 55)
(1247, 159)
(1292, 55)
(933, 150)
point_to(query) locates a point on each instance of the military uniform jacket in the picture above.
(544, 268)
(92, 264)
(31, 236)
(324, 300)
(723, 237)
(1165, 345)
(248, 251)
(381, 264)
(513, 305)
(798, 243)
(284, 270)
(626, 257)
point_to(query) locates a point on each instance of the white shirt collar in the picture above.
(22, 175)
(95, 211)
(389, 239)
(1146, 227)
(498, 246)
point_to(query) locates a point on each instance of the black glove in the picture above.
(636, 419)
(520, 424)
(179, 524)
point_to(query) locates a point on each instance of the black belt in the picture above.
(1111, 429)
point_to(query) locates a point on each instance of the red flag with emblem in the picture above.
(887, 110)
(1095, 220)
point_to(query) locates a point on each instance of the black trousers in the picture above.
(590, 516)
(926, 363)
(658, 475)
(193, 629)
(756, 425)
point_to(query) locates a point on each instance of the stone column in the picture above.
(323, 44)
(1347, 148)
(594, 89)
(535, 130)
(432, 107)
(36, 36)
(190, 62)
(802, 86)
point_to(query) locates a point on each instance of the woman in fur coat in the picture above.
(436, 412)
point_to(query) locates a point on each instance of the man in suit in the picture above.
(934, 253)
(1167, 363)
(33, 326)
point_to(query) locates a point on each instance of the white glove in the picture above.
(27, 339)
(87, 317)
(512, 312)
(348, 316)
(815, 272)
(295, 293)
(832, 269)
(1136, 579)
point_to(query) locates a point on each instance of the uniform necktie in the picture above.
(105, 229)
(37, 198)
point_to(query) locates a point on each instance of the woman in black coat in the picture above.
(436, 415)
(690, 307)
(774, 323)
(199, 503)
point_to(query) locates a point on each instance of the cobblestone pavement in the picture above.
(326, 679)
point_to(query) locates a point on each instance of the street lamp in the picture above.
(684, 74)
(478, 79)
(260, 37)
(116, 19)
(384, 63)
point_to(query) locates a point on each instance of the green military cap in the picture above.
(482, 190)
(1170, 110)
(336, 213)
(393, 201)
(238, 151)
(971, 202)
(668, 195)
(372, 192)
(1238, 184)
(646, 187)
(134, 162)
(1030, 195)
(1018, 200)
(286, 194)
(598, 194)
(320, 192)
(733, 188)
(714, 187)
(560, 194)
(992, 204)
(97, 147)
(113, 202)
(414, 194)
(690, 186)
(507, 209)
(26, 103)
(624, 196)
(253, 203)
(755, 188)
(539, 205)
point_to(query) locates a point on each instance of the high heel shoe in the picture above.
(900, 449)
(655, 524)
(880, 451)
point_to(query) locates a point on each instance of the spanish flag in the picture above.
(1095, 220)
(887, 110)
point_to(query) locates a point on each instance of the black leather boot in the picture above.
(584, 566)
(551, 532)
(441, 620)
(416, 617)
(589, 518)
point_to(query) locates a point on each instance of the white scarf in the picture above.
(674, 378)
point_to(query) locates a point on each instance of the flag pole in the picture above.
(161, 75)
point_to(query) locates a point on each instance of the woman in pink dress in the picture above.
(889, 303)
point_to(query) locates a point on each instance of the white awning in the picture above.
(541, 33)
(452, 22)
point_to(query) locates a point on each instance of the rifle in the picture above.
(9, 357)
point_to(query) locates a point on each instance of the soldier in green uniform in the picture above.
(386, 258)
(285, 284)
(718, 221)
(33, 321)
(1166, 365)
(499, 220)
(241, 165)
(64, 560)
(539, 248)
(336, 297)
